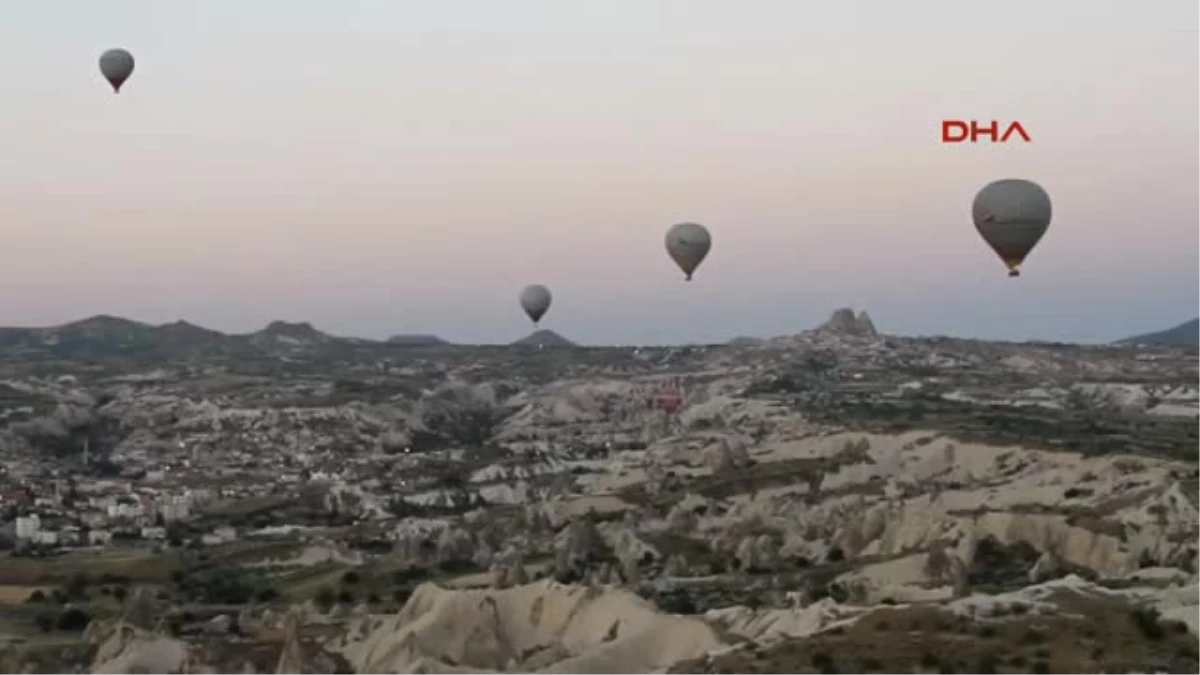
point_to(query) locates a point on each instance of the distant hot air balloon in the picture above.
(535, 300)
(669, 397)
(1011, 216)
(116, 65)
(688, 244)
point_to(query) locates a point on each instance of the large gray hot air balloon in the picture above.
(1011, 216)
(535, 300)
(688, 244)
(116, 65)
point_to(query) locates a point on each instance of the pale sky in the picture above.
(395, 166)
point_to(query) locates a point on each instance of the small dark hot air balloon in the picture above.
(535, 300)
(688, 244)
(116, 65)
(1012, 215)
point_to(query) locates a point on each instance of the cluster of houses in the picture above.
(64, 514)
(42, 509)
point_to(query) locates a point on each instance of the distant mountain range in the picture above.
(105, 335)
(1186, 334)
(110, 334)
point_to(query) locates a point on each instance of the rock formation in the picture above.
(545, 625)
(844, 322)
(291, 657)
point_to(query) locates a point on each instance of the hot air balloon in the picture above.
(669, 397)
(1011, 216)
(535, 300)
(116, 65)
(688, 244)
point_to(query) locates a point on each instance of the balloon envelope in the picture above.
(688, 244)
(116, 65)
(1012, 215)
(535, 300)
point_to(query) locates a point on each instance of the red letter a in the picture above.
(1016, 126)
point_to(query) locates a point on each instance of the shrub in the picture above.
(987, 664)
(73, 619)
(1032, 637)
(325, 597)
(1146, 621)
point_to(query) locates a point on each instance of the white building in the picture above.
(69, 535)
(221, 535)
(175, 507)
(126, 511)
(28, 527)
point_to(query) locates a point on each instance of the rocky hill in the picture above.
(100, 335)
(1186, 334)
(845, 322)
(106, 332)
(416, 340)
(544, 338)
(103, 335)
(290, 333)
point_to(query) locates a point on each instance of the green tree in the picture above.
(325, 597)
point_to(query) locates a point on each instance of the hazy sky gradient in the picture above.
(394, 166)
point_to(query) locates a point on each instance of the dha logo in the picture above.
(958, 131)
